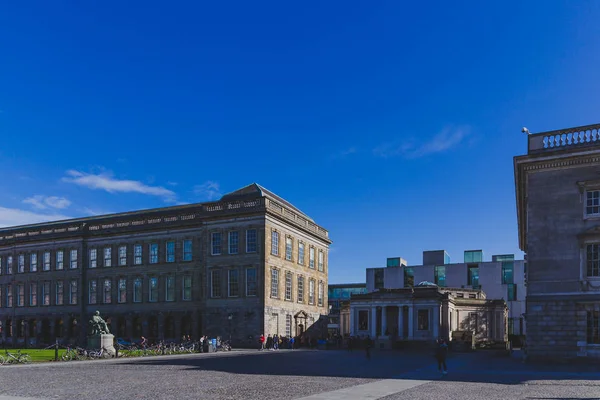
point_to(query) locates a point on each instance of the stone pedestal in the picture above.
(100, 341)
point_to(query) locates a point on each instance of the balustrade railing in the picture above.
(581, 136)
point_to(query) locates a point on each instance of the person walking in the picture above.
(275, 342)
(262, 342)
(269, 342)
(441, 352)
(368, 344)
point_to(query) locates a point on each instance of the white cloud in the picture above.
(344, 153)
(442, 141)
(105, 181)
(209, 190)
(92, 212)
(14, 216)
(43, 202)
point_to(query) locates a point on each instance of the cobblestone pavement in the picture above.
(325, 375)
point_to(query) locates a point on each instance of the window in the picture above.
(288, 248)
(170, 288)
(59, 293)
(472, 295)
(311, 257)
(274, 282)
(409, 277)
(275, 243)
(46, 293)
(423, 320)
(33, 262)
(321, 294)
(233, 242)
(216, 243)
(592, 205)
(33, 294)
(460, 295)
(107, 291)
(153, 253)
(593, 260)
(593, 327)
(73, 258)
(234, 283)
(170, 252)
(512, 292)
(122, 290)
(300, 289)
(473, 277)
(379, 278)
(251, 241)
(508, 272)
(440, 276)
(288, 325)
(301, 253)
(363, 320)
(21, 263)
(311, 291)
(153, 293)
(393, 262)
(9, 295)
(321, 262)
(137, 290)
(215, 283)
(187, 288)
(9, 264)
(473, 256)
(187, 250)
(107, 257)
(288, 286)
(60, 260)
(251, 288)
(47, 261)
(20, 295)
(137, 254)
(93, 258)
(93, 292)
(73, 292)
(122, 256)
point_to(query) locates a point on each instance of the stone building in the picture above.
(425, 312)
(558, 208)
(503, 278)
(247, 264)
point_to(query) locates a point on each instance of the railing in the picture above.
(570, 138)
(300, 220)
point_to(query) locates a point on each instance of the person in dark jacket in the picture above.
(441, 351)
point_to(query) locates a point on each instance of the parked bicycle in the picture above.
(15, 358)
(75, 354)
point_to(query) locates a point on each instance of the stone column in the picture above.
(351, 327)
(400, 322)
(383, 320)
(373, 322)
(436, 322)
(410, 322)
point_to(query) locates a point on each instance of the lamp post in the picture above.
(230, 317)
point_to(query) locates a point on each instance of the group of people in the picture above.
(276, 342)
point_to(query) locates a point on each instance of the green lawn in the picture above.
(36, 354)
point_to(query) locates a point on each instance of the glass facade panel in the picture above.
(508, 272)
(409, 277)
(473, 256)
(440, 276)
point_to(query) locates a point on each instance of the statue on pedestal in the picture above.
(98, 325)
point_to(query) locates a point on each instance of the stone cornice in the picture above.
(153, 220)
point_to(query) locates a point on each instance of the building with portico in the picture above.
(425, 312)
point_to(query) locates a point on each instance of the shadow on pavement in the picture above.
(466, 367)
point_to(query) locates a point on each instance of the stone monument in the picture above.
(100, 336)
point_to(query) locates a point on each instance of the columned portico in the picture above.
(436, 321)
(400, 321)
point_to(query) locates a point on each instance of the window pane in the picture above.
(122, 255)
(216, 243)
(107, 257)
(137, 254)
(251, 241)
(187, 288)
(234, 289)
(251, 288)
(187, 250)
(170, 252)
(122, 290)
(288, 249)
(274, 283)
(275, 243)
(215, 283)
(170, 289)
(153, 253)
(233, 242)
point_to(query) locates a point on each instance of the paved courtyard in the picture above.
(298, 375)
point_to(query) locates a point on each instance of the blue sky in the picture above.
(392, 125)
